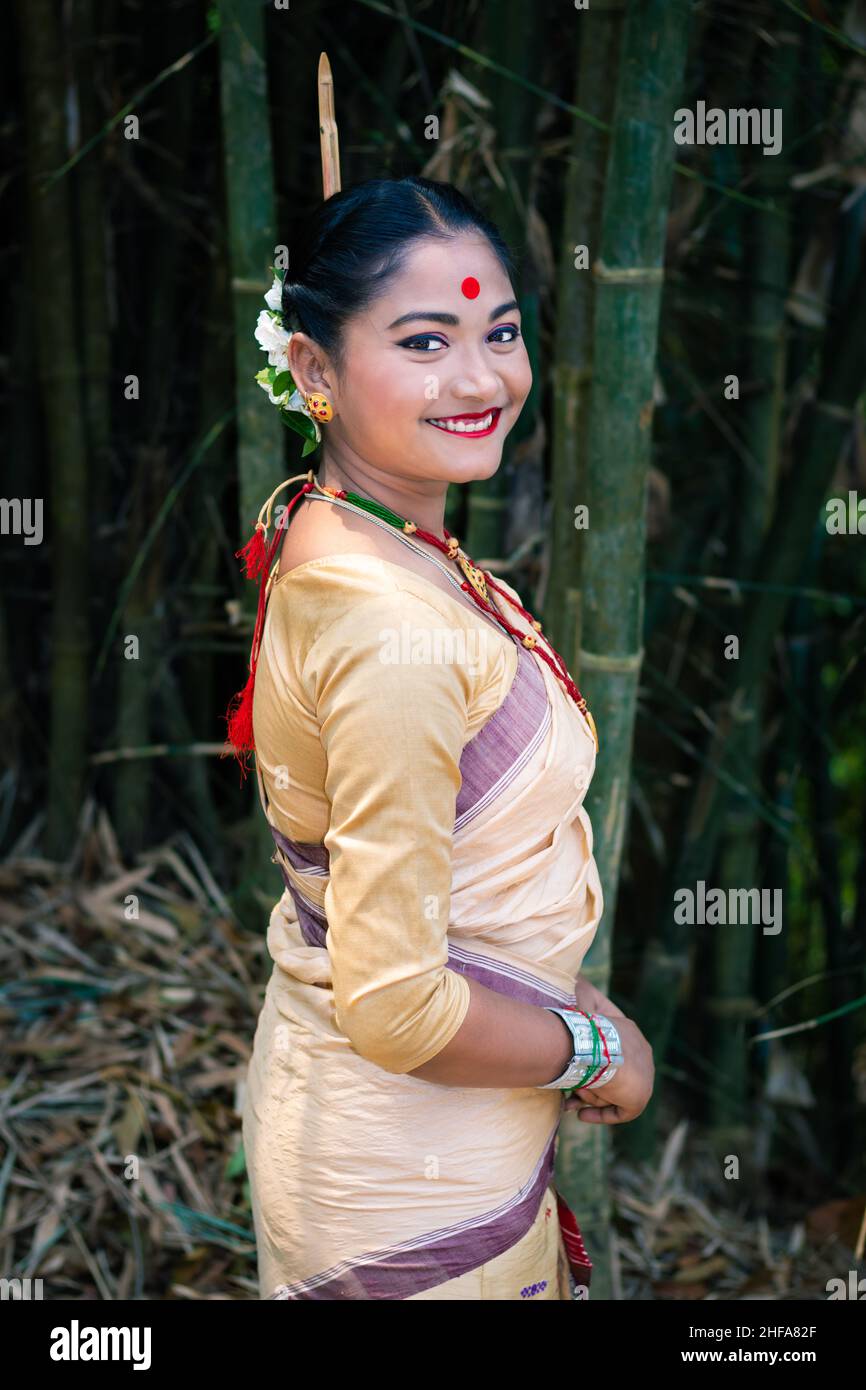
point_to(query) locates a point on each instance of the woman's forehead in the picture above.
(437, 254)
(456, 275)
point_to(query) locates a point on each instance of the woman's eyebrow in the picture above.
(433, 317)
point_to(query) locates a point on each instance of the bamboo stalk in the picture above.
(328, 136)
(728, 1001)
(584, 1150)
(572, 370)
(166, 295)
(628, 272)
(823, 428)
(58, 357)
(512, 37)
(248, 164)
(248, 168)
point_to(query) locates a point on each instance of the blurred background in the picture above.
(682, 502)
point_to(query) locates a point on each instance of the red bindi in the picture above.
(471, 287)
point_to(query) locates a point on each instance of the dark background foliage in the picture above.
(142, 252)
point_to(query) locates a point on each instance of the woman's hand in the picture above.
(592, 1001)
(627, 1094)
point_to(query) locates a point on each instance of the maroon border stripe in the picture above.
(501, 741)
(435, 1258)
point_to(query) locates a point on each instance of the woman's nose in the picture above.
(480, 384)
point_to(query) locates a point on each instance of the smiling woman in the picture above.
(405, 1090)
(385, 255)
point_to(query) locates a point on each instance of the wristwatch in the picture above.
(581, 1031)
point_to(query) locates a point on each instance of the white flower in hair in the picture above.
(282, 399)
(273, 339)
(274, 296)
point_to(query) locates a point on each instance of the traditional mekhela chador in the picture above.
(352, 772)
(368, 1182)
(429, 826)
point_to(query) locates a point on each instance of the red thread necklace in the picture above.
(258, 558)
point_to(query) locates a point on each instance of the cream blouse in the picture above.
(370, 681)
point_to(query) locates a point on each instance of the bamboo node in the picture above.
(632, 274)
(624, 662)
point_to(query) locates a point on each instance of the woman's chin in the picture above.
(471, 462)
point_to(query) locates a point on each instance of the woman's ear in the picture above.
(309, 366)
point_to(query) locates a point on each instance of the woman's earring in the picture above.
(319, 407)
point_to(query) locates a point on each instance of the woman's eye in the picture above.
(505, 328)
(431, 342)
(423, 341)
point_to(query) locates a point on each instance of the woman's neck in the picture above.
(421, 500)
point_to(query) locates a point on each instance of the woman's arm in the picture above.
(392, 734)
(502, 1042)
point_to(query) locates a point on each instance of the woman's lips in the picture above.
(467, 426)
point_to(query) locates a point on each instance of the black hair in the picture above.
(359, 238)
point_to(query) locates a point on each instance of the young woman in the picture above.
(422, 764)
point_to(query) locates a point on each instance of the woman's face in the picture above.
(432, 379)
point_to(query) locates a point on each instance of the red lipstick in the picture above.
(443, 421)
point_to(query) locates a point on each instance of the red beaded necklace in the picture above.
(258, 558)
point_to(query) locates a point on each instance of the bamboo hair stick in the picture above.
(328, 130)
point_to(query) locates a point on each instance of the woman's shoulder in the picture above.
(333, 618)
(326, 587)
(360, 588)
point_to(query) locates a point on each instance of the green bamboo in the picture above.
(775, 956)
(71, 524)
(191, 774)
(251, 241)
(599, 33)
(628, 281)
(138, 664)
(823, 429)
(628, 275)
(205, 578)
(143, 615)
(817, 738)
(92, 218)
(599, 36)
(730, 999)
(19, 649)
(513, 39)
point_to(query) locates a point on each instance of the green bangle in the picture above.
(596, 1055)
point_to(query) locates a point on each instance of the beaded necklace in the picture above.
(258, 558)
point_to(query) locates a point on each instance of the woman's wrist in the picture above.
(596, 1050)
(567, 1051)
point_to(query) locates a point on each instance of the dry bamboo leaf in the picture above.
(220, 1076)
(671, 1155)
(701, 1270)
(168, 856)
(130, 1125)
(456, 84)
(197, 1197)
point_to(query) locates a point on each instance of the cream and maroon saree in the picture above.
(476, 861)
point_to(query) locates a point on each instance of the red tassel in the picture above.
(258, 559)
(239, 715)
(239, 718)
(254, 554)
